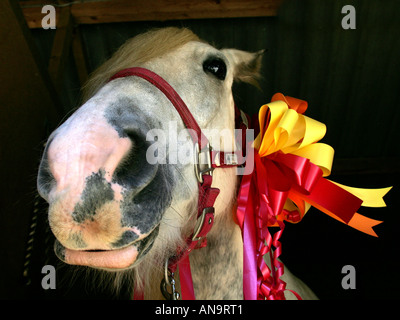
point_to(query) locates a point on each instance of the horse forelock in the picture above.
(136, 51)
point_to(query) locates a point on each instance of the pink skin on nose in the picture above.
(83, 145)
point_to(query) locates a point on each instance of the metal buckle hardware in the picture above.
(231, 159)
(169, 280)
(200, 223)
(208, 169)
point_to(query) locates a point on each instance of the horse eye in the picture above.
(215, 66)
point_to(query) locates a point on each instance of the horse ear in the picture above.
(246, 65)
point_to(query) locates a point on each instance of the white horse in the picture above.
(109, 207)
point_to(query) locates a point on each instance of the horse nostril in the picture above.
(45, 179)
(134, 171)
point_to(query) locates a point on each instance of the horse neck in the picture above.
(217, 269)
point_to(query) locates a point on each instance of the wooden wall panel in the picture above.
(28, 105)
(94, 12)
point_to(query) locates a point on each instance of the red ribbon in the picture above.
(261, 200)
(261, 196)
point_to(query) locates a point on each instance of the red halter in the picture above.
(207, 194)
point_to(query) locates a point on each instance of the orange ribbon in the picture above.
(283, 136)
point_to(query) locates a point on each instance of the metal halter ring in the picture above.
(169, 280)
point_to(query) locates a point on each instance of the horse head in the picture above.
(114, 198)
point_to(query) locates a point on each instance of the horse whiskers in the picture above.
(170, 225)
(184, 179)
(176, 211)
(176, 223)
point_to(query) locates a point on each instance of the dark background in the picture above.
(351, 80)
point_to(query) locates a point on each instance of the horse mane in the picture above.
(136, 51)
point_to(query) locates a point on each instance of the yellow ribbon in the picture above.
(283, 128)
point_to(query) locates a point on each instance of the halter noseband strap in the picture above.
(207, 194)
(172, 96)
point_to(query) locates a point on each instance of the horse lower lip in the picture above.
(107, 259)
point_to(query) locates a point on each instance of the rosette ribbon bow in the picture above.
(288, 177)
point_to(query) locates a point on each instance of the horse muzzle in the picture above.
(105, 200)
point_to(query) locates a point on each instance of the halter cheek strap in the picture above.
(207, 194)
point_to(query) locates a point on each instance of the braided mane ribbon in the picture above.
(288, 178)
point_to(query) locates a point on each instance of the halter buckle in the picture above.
(198, 161)
(203, 225)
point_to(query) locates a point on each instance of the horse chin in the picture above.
(120, 259)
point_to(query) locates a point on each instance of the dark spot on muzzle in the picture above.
(59, 250)
(144, 209)
(147, 243)
(126, 238)
(97, 192)
(125, 117)
(76, 238)
(128, 120)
